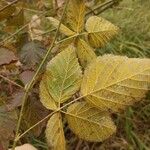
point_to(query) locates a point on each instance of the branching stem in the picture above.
(19, 30)
(14, 83)
(30, 85)
(102, 6)
(59, 109)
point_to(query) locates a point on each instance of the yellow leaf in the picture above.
(100, 31)
(89, 123)
(114, 82)
(55, 134)
(63, 29)
(76, 14)
(85, 52)
(63, 45)
(63, 75)
(45, 96)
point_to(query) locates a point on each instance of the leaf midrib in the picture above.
(114, 83)
(81, 118)
(79, 18)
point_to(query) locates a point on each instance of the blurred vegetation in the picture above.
(133, 17)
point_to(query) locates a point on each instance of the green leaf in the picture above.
(89, 123)
(8, 120)
(100, 31)
(114, 82)
(85, 53)
(55, 134)
(45, 96)
(76, 14)
(63, 75)
(6, 56)
(32, 53)
(63, 29)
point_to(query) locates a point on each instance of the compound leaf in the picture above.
(100, 31)
(85, 52)
(76, 14)
(63, 75)
(89, 123)
(63, 29)
(114, 82)
(55, 134)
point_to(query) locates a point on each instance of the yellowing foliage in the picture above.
(114, 82)
(108, 83)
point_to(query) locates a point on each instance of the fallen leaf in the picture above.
(34, 111)
(25, 147)
(32, 53)
(6, 56)
(26, 76)
(16, 100)
(8, 120)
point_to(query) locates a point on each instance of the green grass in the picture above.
(133, 18)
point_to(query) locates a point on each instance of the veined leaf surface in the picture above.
(100, 31)
(45, 96)
(63, 75)
(63, 29)
(89, 123)
(85, 52)
(76, 14)
(55, 134)
(113, 82)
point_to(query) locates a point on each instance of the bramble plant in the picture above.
(93, 86)
(77, 87)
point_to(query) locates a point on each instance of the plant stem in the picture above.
(70, 37)
(107, 3)
(19, 30)
(59, 109)
(14, 83)
(29, 86)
